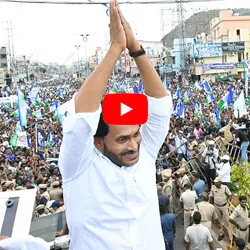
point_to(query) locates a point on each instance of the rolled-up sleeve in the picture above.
(156, 129)
(77, 147)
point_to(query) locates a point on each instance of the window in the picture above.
(247, 56)
(173, 59)
(225, 58)
(239, 57)
(238, 32)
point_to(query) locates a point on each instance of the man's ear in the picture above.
(98, 142)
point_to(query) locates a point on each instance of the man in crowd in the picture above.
(198, 236)
(219, 196)
(208, 212)
(224, 170)
(199, 185)
(188, 199)
(240, 219)
(167, 187)
(109, 170)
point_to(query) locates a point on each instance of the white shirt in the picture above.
(224, 171)
(110, 207)
(198, 236)
(180, 144)
(24, 243)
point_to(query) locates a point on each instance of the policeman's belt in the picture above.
(220, 205)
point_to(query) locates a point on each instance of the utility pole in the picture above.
(26, 66)
(85, 39)
(77, 51)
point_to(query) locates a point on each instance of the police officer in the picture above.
(182, 179)
(219, 196)
(239, 218)
(167, 188)
(207, 211)
(187, 199)
(44, 192)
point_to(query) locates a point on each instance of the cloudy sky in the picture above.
(50, 32)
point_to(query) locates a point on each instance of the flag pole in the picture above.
(36, 136)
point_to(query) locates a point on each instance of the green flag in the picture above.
(221, 105)
(248, 100)
(15, 113)
(13, 140)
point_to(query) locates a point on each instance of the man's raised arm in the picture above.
(151, 81)
(90, 95)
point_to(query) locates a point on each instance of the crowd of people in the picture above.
(190, 139)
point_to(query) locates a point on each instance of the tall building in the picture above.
(222, 53)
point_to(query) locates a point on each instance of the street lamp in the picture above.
(85, 39)
(77, 50)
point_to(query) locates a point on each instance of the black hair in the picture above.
(196, 175)
(242, 198)
(240, 243)
(163, 208)
(187, 186)
(197, 217)
(102, 129)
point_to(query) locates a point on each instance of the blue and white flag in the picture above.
(53, 107)
(18, 128)
(140, 87)
(240, 106)
(22, 108)
(33, 95)
(198, 85)
(177, 94)
(216, 116)
(207, 87)
(181, 111)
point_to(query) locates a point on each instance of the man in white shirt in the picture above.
(108, 171)
(224, 170)
(197, 236)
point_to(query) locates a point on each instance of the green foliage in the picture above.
(240, 179)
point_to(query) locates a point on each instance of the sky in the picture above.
(49, 33)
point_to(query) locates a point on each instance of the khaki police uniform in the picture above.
(56, 194)
(168, 187)
(181, 182)
(188, 198)
(167, 190)
(220, 196)
(208, 213)
(240, 216)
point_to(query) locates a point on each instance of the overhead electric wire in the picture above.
(105, 3)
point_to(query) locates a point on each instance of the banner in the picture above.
(40, 139)
(234, 47)
(218, 66)
(207, 50)
(19, 140)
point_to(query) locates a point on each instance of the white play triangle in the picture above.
(125, 109)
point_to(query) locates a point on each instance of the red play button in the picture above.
(125, 109)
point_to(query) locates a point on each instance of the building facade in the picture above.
(223, 56)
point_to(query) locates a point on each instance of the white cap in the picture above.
(225, 157)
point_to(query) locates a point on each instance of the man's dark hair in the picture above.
(197, 217)
(196, 175)
(102, 129)
(242, 198)
(187, 186)
(240, 243)
(163, 208)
